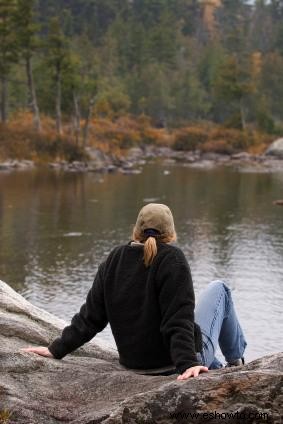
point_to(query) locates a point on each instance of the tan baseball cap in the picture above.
(156, 216)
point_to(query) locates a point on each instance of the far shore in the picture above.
(135, 158)
(124, 145)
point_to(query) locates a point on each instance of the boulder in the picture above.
(89, 386)
(276, 149)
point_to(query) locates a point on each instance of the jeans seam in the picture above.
(216, 314)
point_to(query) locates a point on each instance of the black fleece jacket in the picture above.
(150, 310)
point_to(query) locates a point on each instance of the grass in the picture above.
(5, 416)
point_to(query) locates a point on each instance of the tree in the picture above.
(232, 85)
(83, 81)
(58, 58)
(28, 42)
(8, 48)
(233, 18)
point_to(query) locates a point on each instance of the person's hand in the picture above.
(192, 372)
(42, 351)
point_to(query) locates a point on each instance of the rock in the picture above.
(5, 166)
(203, 164)
(131, 171)
(111, 168)
(169, 161)
(135, 153)
(89, 386)
(216, 157)
(276, 149)
(15, 164)
(96, 155)
(242, 156)
(99, 161)
(186, 157)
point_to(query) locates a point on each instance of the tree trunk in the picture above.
(3, 100)
(32, 95)
(87, 121)
(58, 101)
(77, 119)
(242, 113)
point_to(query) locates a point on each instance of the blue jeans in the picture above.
(216, 316)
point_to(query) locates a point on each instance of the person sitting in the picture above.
(144, 289)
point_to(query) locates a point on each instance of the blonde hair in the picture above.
(150, 245)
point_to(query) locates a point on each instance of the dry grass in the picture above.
(19, 140)
(5, 416)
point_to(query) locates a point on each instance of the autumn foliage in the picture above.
(219, 139)
(19, 140)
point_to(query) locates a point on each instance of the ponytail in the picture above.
(150, 251)
(150, 245)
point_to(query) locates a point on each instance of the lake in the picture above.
(55, 228)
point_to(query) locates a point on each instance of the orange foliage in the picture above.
(124, 133)
(220, 140)
(189, 138)
(19, 140)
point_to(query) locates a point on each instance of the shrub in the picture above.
(218, 146)
(18, 140)
(189, 138)
(237, 139)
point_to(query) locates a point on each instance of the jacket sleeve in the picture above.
(90, 320)
(177, 302)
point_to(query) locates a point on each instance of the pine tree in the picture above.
(28, 42)
(58, 59)
(232, 85)
(9, 48)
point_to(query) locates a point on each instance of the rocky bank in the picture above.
(133, 159)
(89, 386)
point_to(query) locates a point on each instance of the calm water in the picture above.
(56, 228)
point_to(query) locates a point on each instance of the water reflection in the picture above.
(56, 228)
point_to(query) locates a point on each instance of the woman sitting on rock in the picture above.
(144, 290)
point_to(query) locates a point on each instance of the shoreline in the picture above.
(132, 161)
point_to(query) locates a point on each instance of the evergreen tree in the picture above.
(28, 41)
(232, 85)
(143, 56)
(58, 59)
(233, 25)
(9, 48)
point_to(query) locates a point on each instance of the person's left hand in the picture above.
(42, 351)
(192, 372)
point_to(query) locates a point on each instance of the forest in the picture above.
(173, 64)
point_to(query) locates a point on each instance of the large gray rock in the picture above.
(276, 148)
(90, 386)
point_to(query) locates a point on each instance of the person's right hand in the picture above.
(42, 351)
